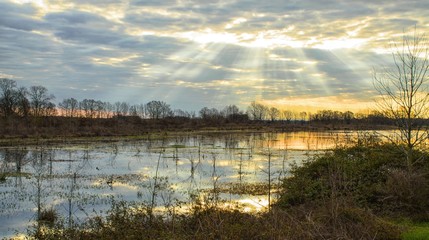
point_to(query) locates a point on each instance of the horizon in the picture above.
(192, 54)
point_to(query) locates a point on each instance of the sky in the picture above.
(302, 55)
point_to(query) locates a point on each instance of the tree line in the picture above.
(36, 101)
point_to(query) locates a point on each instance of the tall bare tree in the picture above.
(403, 90)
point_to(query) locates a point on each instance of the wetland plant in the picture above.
(48, 216)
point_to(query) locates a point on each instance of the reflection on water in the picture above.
(79, 181)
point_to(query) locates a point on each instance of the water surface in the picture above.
(82, 180)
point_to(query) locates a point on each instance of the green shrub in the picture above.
(373, 177)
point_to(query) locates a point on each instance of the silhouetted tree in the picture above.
(403, 90)
(69, 106)
(117, 108)
(88, 107)
(182, 113)
(23, 104)
(124, 108)
(8, 97)
(210, 113)
(158, 109)
(257, 111)
(40, 101)
(274, 113)
(287, 115)
(230, 110)
(204, 112)
(133, 111)
(303, 116)
(108, 109)
(348, 116)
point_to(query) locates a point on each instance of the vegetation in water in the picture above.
(360, 192)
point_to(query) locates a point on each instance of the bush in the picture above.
(373, 177)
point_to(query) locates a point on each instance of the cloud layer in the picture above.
(193, 54)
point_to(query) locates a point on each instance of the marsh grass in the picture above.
(254, 189)
(418, 231)
(14, 174)
(48, 216)
(204, 221)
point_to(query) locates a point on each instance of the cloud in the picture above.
(158, 22)
(202, 53)
(74, 17)
(153, 2)
(18, 18)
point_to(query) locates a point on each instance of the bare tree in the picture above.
(141, 110)
(69, 107)
(210, 113)
(348, 116)
(287, 115)
(124, 108)
(133, 111)
(23, 104)
(257, 111)
(100, 108)
(88, 107)
(40, 101)
(109, 109)
(404, 93)
(182, 113)
(117, 108)
(7, 96)
(230, 110)
(303, 116)
(158, 109)
(274, 113)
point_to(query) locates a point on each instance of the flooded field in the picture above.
(81, 180)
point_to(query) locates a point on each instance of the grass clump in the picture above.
(48, 216)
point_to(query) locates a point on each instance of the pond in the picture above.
(80, 181)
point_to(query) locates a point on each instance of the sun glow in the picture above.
(269, 39)
(38, 3)
(209, 36)
(113, 61)
(235, 22)
(314, 104)
(349, 43)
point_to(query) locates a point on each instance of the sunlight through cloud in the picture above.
(237, 50)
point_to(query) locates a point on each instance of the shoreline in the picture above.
(56, 137)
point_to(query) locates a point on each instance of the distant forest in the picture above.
(19, 107)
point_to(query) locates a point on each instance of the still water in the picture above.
(81, 180)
